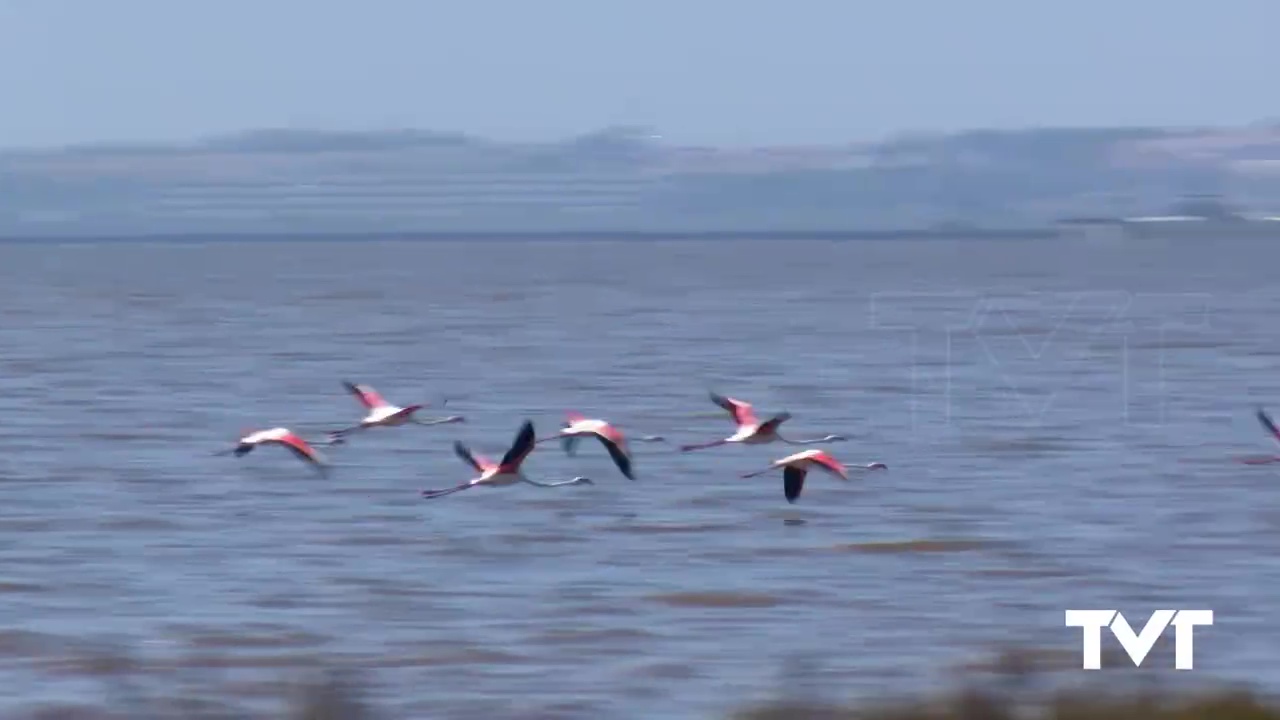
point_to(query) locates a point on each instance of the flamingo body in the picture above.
(577, 426)
(751, 431)
(796, 467)
(283, 437)
(381, 413)
(507, 471)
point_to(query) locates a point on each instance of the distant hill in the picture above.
(282, 180)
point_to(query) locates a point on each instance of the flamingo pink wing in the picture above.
(301, 447)
(830, 464)
(1259, 459)
(366, 395)
(477, 461)
(741, 411)
(612, 433)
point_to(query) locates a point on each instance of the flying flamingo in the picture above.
(751, 431)
(506, 472)
(578, 426)
(797, 466)
(1275, 433)
(278, 436)
(383, 413)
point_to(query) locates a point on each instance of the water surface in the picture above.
(1056, 417)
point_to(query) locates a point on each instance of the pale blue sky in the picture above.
(702, 71)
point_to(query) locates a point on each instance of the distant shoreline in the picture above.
(534, 236)
(621, 184)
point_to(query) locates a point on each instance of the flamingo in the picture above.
(1274, 431)
(796, 466)
(505, 472)
(279, 436)
(578, 426)
(751, 431)
(384, 414)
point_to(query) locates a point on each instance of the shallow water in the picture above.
(1057, 419)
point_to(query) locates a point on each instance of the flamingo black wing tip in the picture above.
(526, 433)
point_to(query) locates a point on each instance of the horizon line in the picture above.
(204, 140)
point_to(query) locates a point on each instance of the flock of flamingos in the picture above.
(507, 471)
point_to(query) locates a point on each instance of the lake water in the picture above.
(1058, 419)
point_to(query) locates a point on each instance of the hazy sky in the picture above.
(709, 71)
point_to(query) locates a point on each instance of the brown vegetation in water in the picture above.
(1079, 705)
(1015, 693)
(1017, 687)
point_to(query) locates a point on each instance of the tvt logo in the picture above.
(1138, 645)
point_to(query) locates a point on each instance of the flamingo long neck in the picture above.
(433, 421)
(811, 441)
(703, 446)
(551, 484)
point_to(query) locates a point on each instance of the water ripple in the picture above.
(1057, 420)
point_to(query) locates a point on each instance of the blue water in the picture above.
(1058, 419)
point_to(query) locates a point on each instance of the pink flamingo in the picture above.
(578, 426)
(505, 472)
(797, 466)
(383, 414)
(753, 432)
(278, 436)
